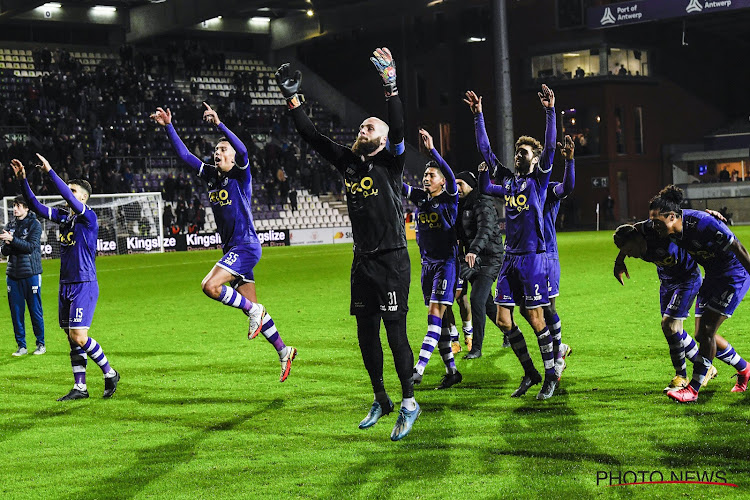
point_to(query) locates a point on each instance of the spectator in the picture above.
(21, 244)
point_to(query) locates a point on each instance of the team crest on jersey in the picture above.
(690, 223)
(507, 185)
(225, 181)
(523, 186)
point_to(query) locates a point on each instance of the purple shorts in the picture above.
(523, 281)
(722, 294)
(676, 299)
(439, 281)
(240, 261)
(553, 271)
(76, 304)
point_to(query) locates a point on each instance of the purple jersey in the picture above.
(436, 217)
(707, 240)
(673, 264)
(231, 198)
(79, 230)
(524, 194)
(230, 193)
(556, 191)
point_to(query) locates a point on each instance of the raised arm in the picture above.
(34, 205)
(569, 178)
(241, 159)
(450, 178)
(485, 187)
(386, 66)
(77, 205)
(289, 84)
(483, 142)
(164, 118)
(544, 168)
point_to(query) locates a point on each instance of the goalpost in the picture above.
(128, 223)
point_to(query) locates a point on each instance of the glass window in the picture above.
(627, 62)
(638, 121)
(582, 125)
(585, 63)
(619, 131)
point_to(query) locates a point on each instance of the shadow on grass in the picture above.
(154, 462)
(379, 463)
(16, 424)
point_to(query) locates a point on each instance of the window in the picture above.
(619, 131)
(582, 125)
(585, 62)
(638, 121)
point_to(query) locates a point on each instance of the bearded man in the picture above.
(380, 272)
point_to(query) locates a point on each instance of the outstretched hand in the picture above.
(210, 115)
(474, 102)
(427, 139)
(288, 84)
(384, 63)
(18, 169)
(44, 166)
(162, 117)
(547, 97)
(717, 215)
(568, 148)
(620, 269)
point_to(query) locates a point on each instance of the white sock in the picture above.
(80, 387)
(409, 403)
(467, 325)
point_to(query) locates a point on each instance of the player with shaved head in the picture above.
(381, 270)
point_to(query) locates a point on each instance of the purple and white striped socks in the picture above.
(434, 327)
(271, 334)
(232, 298)
(544, 339)
(95, 352)
(730, 357)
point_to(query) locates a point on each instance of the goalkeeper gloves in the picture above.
(386, 66)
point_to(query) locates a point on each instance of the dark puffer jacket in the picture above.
(479, 228)
(24, 253)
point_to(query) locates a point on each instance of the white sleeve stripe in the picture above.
(245, 167)
(49, 212)
(200, 170)
(729, 243)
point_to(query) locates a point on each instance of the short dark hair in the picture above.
(83, 183)
(668, 200)
(20, 200)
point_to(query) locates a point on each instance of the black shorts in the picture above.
(380, 284)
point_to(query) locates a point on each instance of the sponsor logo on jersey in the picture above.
(517, 202)
(364, 186)
(220, 197)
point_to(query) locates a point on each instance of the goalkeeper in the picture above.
(380, 273)
(230, 189)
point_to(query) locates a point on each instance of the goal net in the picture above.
(128, 223)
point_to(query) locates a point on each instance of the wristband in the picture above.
(295, 101)
(390, 89)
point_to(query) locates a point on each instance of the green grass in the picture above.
(200, 412)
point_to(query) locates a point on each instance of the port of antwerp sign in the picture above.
(642, 11)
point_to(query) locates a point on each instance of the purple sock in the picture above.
(95, 352)
(544, 339)
(78, 361)
(700, 369)
(518, 344)
(434, 328)
(730, 357)
(229, 296)
(271, 334)
(555, 328)
(677, 354)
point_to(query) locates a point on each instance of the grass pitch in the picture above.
(200, 413)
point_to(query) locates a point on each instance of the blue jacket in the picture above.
(24, 252)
